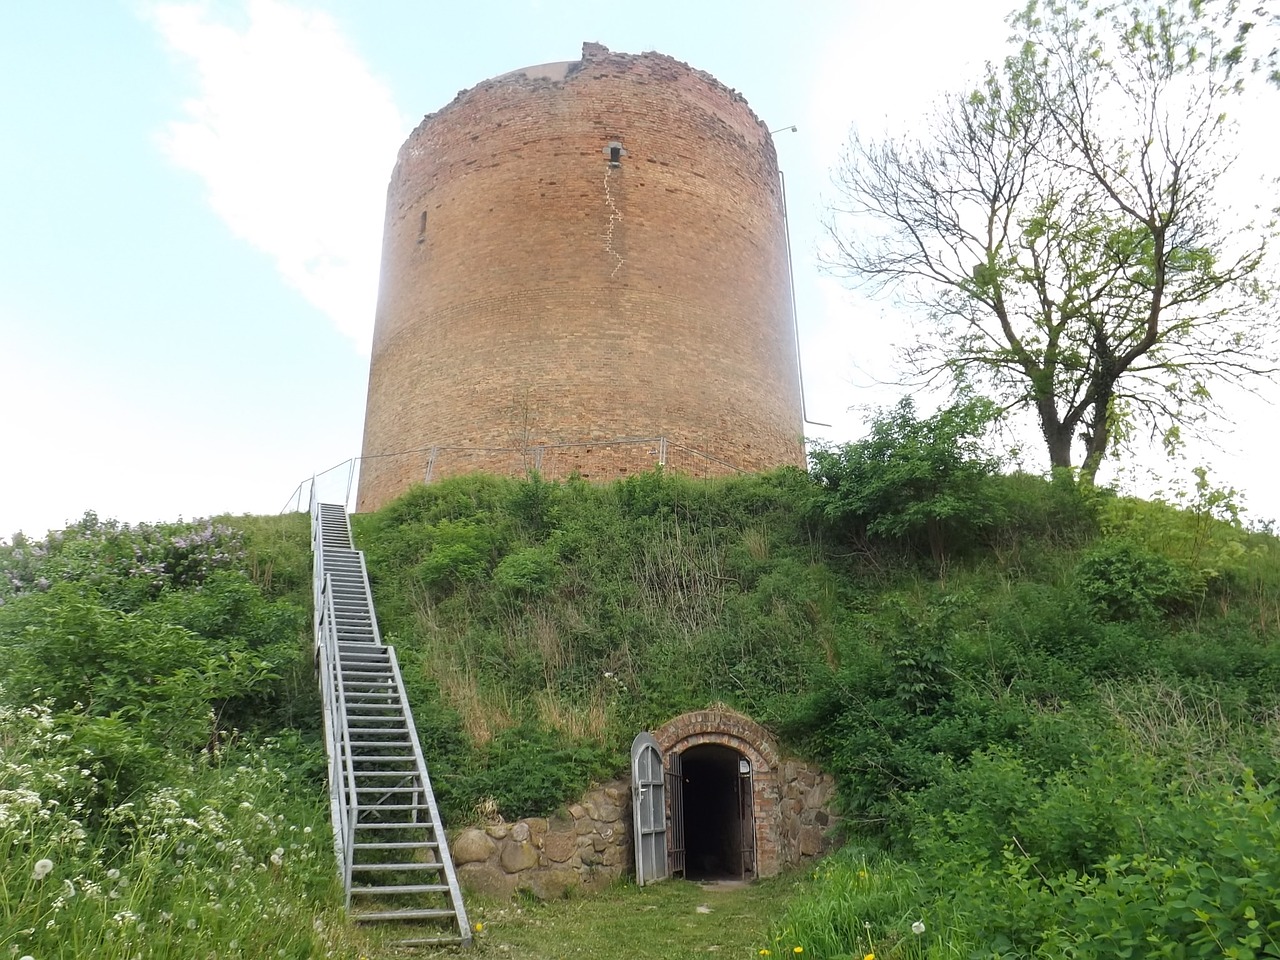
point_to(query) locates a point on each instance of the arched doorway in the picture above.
(735, 799)
(719, 826)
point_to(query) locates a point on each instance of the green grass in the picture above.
(671, 920)
(1027, 726)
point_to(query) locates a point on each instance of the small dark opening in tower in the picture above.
(615, 156)
(717, 813)
(422, 227)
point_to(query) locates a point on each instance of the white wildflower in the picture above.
(918, 927)
(42, 869)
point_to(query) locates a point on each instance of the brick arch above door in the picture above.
(726, 727)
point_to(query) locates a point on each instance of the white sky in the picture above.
(192, 198)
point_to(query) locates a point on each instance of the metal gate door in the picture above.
(675, 796)
(747, 820)
(648, 809)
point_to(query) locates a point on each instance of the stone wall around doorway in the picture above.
(584, 847)
(588, 845)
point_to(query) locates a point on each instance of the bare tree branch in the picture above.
(1062, 226)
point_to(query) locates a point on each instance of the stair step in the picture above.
(397, 845)
(395, 826)
(384, 807)
(370, 759)
(429, 941)
(418, 914)
(381, 743)
(402, 888)
(384, 791)
(387, 867)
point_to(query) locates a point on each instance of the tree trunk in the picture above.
(1057, 435)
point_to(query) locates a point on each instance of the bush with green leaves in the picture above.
(1124, 581)
(914, 480)
(229, 856)
(126, 565)
(1190, 875)
(146, 642)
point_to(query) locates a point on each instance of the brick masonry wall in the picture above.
(532, 294)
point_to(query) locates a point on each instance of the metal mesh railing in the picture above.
(594, 460)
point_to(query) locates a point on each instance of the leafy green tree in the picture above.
(1062, 225)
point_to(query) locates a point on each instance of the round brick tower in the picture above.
(584, 269)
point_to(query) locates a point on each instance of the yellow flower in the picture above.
(862, 874)
(797, 949)
(765, 953)
(869, 956)
(479, 927)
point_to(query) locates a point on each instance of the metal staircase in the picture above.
(391, 847)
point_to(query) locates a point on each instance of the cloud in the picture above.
(294, 138)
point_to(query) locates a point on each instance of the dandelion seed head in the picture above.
(42, 869)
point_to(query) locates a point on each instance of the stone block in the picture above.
(608, 812)
(487, 879)
(553, 884)
(472, 846)
(518, 856)
(559, 847)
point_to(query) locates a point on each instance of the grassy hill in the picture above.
(1052, 712)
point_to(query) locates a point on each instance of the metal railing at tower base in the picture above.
(552, 461)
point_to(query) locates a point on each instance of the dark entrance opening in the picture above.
(718, 827)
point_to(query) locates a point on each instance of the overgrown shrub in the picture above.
(922, 481)
(1124, 581)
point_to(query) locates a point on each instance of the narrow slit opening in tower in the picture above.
(718, 822)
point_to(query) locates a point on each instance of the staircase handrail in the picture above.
(368, 592)
(350, 804)
(339, 814)
(424, 778)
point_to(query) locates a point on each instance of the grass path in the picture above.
(671, 920)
